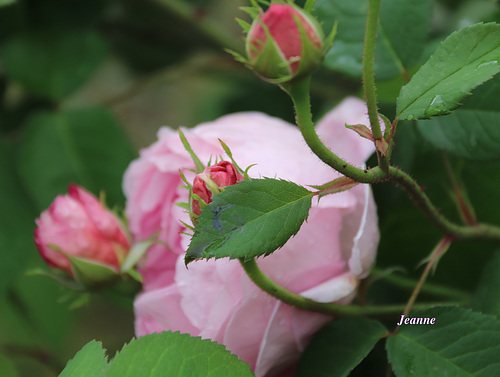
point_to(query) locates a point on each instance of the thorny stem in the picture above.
(267, 285)
(369, 77)
(299, 92)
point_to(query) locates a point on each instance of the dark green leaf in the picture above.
(464, 60)
(472, 134)
(339, 346)
(89, 361)
(460, 343)
(250, 219)
(175, 354)
(85, 147)
(6, 2)
(402, 31)
(473, 131)
(52, 65)
(17, 216)
(7, 367)
(487, 296)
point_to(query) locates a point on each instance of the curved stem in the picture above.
(446, 226)
(299, 93)
(267, 285)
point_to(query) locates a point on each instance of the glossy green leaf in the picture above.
(250, 219)
(52, 65)
(339, 346)
(403, 28)
(175, 354)
(486, 299)
(89, 361)
(472, 131)
(464, 60)
(461, 343)
(84, 146)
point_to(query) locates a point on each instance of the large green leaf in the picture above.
(250, 219)
(487, 296)
(175, 354)
(460, 343)
(472, 131)
(402, 32)
(89, 361)
(7, 367)
(339, 346)
(464, 60)
(85, 147)
(16, 220)
(52, 65)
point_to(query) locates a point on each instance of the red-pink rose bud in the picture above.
(294, 47)
(211, 181)
(77, 224)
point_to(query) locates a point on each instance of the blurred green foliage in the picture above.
(85, 84)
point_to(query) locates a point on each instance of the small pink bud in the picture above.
(211, 181)
(77, 224)
(284, 42)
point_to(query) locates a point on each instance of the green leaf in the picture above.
(175, 354)
(6, 2)
(486, 299)
(339, 346)
(83, 146)
(250, 219)
(89, 361)
(16, 220)
(464, 60)
(471, 132)
(53, 65)
(460, 343)
(136, 252)
(403, 28)
(7, 367)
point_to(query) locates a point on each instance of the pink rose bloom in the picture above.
(219, 175)
(79, 225)
(333, 250)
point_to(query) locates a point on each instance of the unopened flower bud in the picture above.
(283, 43)
(211, 181)
(77, 232)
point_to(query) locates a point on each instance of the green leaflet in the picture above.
(464, 60)
(403, 28)
(461, 343)
(339, 346)
(250, 219)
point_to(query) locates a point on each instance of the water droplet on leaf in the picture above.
(487, 64)
(436, 107)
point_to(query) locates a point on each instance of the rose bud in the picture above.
(283, 43)
(211, 181)
(82, 238)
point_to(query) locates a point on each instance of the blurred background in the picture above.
(85, 84)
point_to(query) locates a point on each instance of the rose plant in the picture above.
(215, 299)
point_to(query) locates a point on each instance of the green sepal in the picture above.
(59, 277)
(136, 252)
(199, 166)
